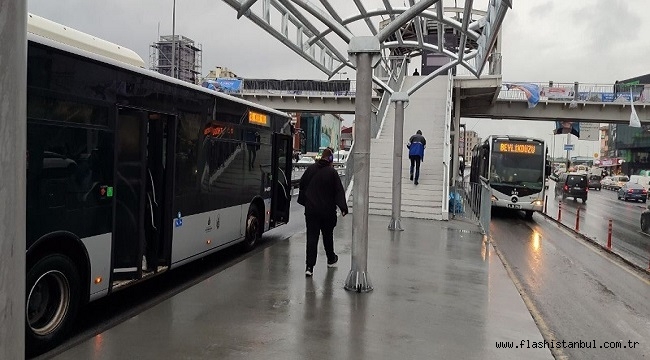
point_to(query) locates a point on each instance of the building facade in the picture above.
(318, 131)
(467, 141)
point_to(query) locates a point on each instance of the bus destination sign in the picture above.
(258, 118)
(518, 148)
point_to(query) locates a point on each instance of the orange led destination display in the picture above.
(258, 118)
(518, 148)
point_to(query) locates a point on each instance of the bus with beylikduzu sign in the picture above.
(515, 168)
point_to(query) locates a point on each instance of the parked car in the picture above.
(645, 220)
(573, 185)
(594, 182)
(632, 191)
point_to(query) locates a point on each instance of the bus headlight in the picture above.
(494, 198)
(538, 202)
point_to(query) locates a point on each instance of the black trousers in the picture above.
(317, 224)
(415, 162)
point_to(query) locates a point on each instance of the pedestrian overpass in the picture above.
(400, 104)
(479, 98)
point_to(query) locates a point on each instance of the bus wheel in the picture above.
(253, 228)
(529, 214)
(53, 293)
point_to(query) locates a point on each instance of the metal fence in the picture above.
(471, 201)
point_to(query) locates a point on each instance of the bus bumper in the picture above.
(534, 205)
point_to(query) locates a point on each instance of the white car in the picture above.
(306, 160)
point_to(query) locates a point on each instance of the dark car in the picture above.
(645, 220)
(573, 185)
(594, 182)
(632, 191)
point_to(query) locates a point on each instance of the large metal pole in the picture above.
(13, 67)
(455, 167)
(398, 137)
(174, 40)
(363, 51)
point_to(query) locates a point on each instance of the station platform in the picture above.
(440, 292)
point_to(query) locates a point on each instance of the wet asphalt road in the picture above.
(576, 291)
(627, 238)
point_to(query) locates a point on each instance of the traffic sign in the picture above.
(568, 146)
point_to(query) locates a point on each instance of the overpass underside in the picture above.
(331, 104)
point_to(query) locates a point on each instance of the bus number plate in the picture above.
(514, 206)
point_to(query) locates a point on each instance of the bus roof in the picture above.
(67, 35)
(35, 37)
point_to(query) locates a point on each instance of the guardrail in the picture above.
(303, 92)
(587, 92)
(472, 201)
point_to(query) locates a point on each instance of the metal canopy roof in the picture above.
(320, 33)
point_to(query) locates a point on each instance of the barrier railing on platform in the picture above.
(471, 201)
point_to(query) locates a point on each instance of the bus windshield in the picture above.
(517, 169)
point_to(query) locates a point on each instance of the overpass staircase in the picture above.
(425, 111)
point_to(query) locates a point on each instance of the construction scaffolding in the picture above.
(187, 59)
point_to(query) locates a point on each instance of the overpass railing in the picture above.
(587, 92)
(343, 88)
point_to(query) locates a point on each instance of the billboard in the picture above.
(226, 85)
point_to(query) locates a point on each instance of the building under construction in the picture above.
(183, 52)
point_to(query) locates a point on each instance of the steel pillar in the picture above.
(456, 143)
(400, 98)
(364, 52)
(13, 85)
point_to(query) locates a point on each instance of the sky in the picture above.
(589, 41)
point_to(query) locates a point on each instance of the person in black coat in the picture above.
(321, 191)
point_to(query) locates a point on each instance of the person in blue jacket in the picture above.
(416, 146)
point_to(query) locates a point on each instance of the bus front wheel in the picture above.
(53, 293)
(253, 228)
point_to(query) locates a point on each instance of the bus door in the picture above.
(140, 179)
(281, 166)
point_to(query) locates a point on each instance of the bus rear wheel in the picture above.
(53, 293)
(253, 228)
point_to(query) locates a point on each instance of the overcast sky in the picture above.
(590, 41)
